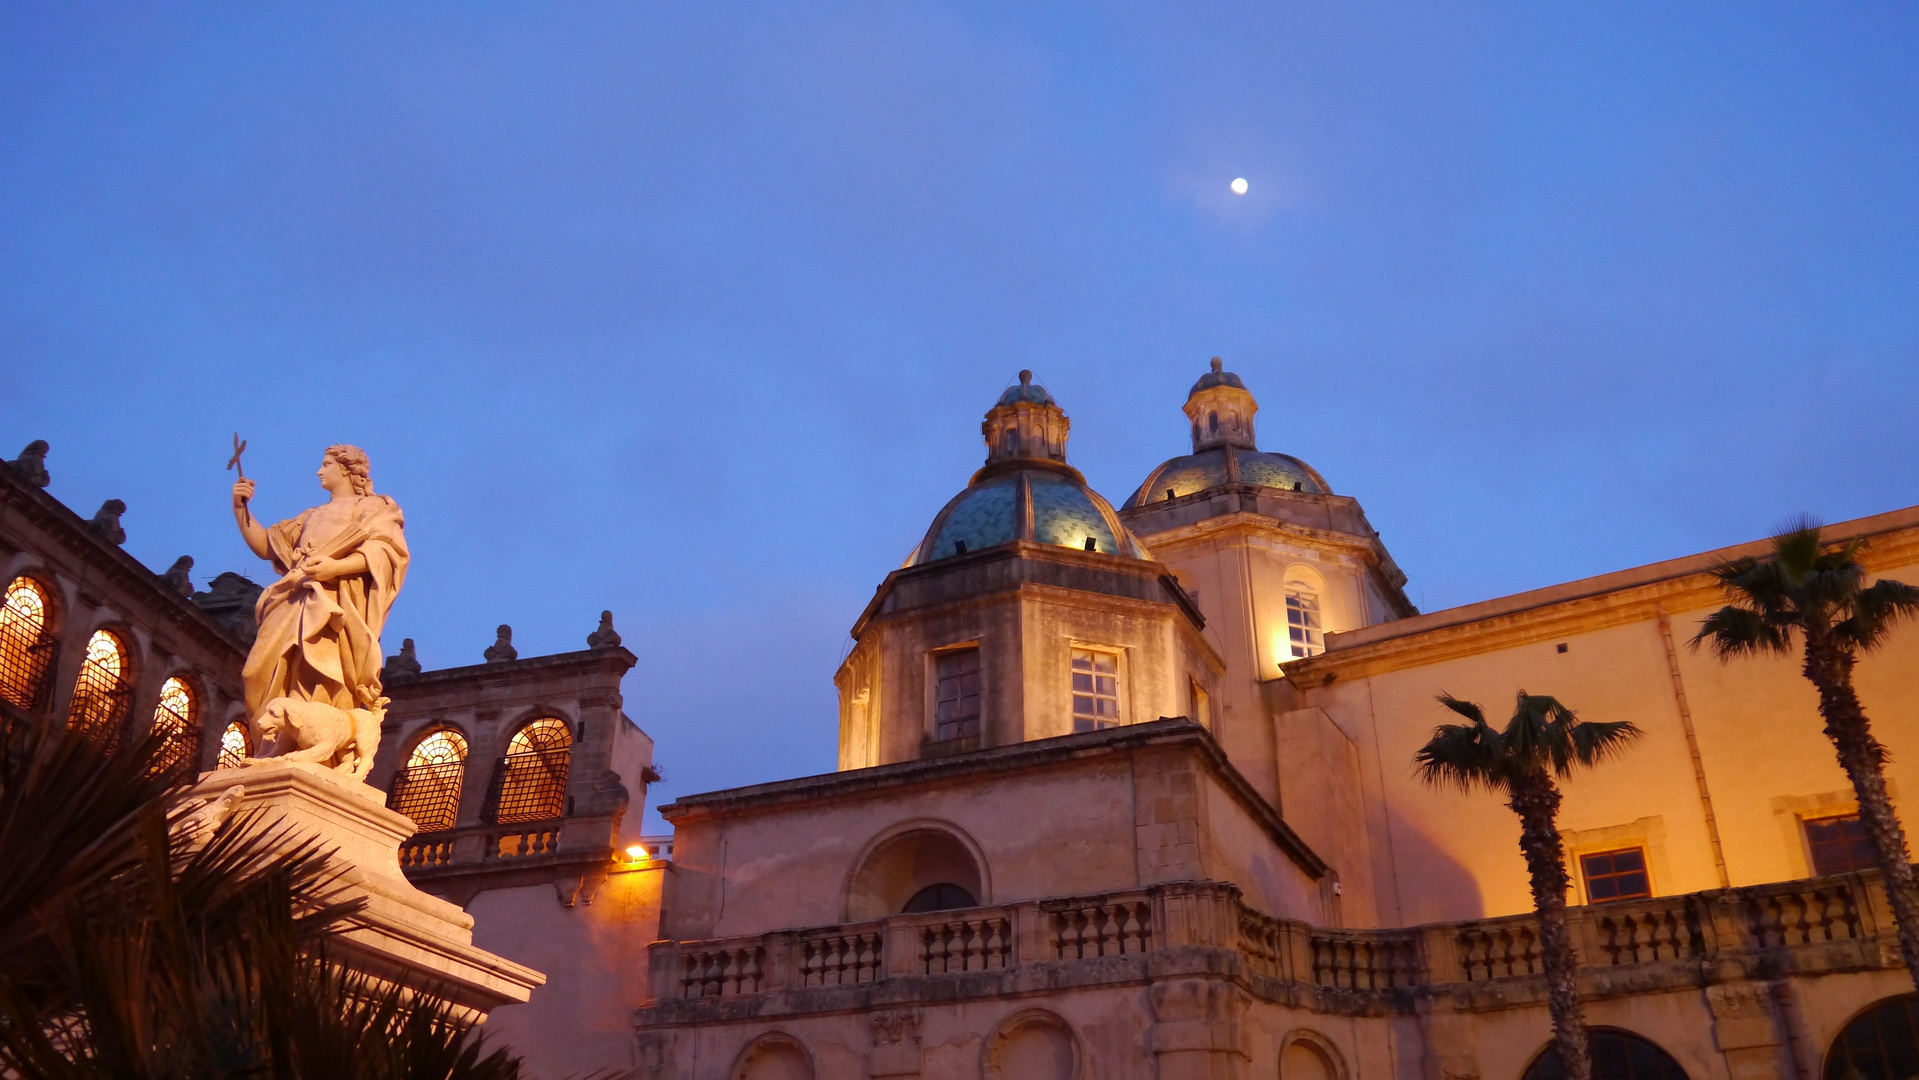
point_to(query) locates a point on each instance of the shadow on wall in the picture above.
(1426, 884)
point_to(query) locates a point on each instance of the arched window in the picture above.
(236, 744)
(428, 789)
(104, 688)
(1881, 1043)
(177, 721)
(1303, 627)
(944, 896)
(529, 784)
(1617, 1055)
(27, 643)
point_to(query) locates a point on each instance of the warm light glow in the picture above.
(235, 745)
(636, 852)
(1239, 186)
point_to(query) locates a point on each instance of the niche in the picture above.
(925, 867)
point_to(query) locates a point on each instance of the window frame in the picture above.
(447, 780)
(184, 740)
(1314, 636)
(497, 795)
(37, 686)
(1119, 695)
(1644, 870)
(1812, 847)
(222, 759)
(933, 659)
(112, 725)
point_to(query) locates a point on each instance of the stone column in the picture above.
(896, 1045)
(1197, 1033)
(1746, 1030)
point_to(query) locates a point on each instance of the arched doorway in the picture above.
(1617, 1055)
(1879, 1043)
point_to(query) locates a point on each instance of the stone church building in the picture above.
(1122, 793)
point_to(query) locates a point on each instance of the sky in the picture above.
(691, 312)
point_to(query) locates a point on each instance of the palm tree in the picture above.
(1815, 594)
(133, 945)
(1544, 740)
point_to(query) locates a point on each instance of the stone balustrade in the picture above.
(1837, 923)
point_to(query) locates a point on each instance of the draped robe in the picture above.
(320, 641)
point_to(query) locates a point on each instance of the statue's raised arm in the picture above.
(313, 677)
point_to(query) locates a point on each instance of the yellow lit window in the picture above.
(1302, 621)
(236, 743)
(104, 688)
(529, 784)
(175, 720)
(1095, 690)
(26, 648)
(428, 789)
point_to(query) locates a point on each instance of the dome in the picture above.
(1216, 377)
(1221, 412)
(1198, 472)
(1026, 491)
(1053, 508)
(1027, 390)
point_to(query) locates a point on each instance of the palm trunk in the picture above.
(1536, 801)
(1863, 758)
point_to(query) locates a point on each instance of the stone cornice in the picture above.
(118, 569)
(1616, 599)
(804, 791)
(616, 660)
(1097, 561)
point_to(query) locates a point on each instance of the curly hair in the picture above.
(354, 461)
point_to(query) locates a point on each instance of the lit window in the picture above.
(104, 688)
(1199, 704)
(1302, 620)
(175, 720)
(956, 711)
(236, 743)
(428, 789)
(1616, 875)
(530, 782)
(1839, 845)
(1095, 690)
(26, 646)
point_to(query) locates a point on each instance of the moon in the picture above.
(1239, 186)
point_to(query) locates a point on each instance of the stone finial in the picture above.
(107, 521)
(32, 464)
(405, 663)
(605, 637)
(177, 575)
(502, 648)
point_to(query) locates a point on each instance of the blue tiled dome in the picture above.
(1198, 472)
(1064, 512)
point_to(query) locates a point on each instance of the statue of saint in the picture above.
(313, 677)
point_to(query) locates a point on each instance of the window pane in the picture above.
(1616, 875)
(1095, 690)
(957, 693)
(1839, 845)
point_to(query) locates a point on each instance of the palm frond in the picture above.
(1875, 611)
(1742, 631)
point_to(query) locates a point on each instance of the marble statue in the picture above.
(313, 676)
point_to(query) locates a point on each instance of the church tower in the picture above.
(1028, 611)
(1275, 560)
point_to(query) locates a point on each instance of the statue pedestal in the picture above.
(401, 934)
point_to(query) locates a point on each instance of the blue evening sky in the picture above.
(691, 311)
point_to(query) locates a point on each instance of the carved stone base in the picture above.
(402, 933)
